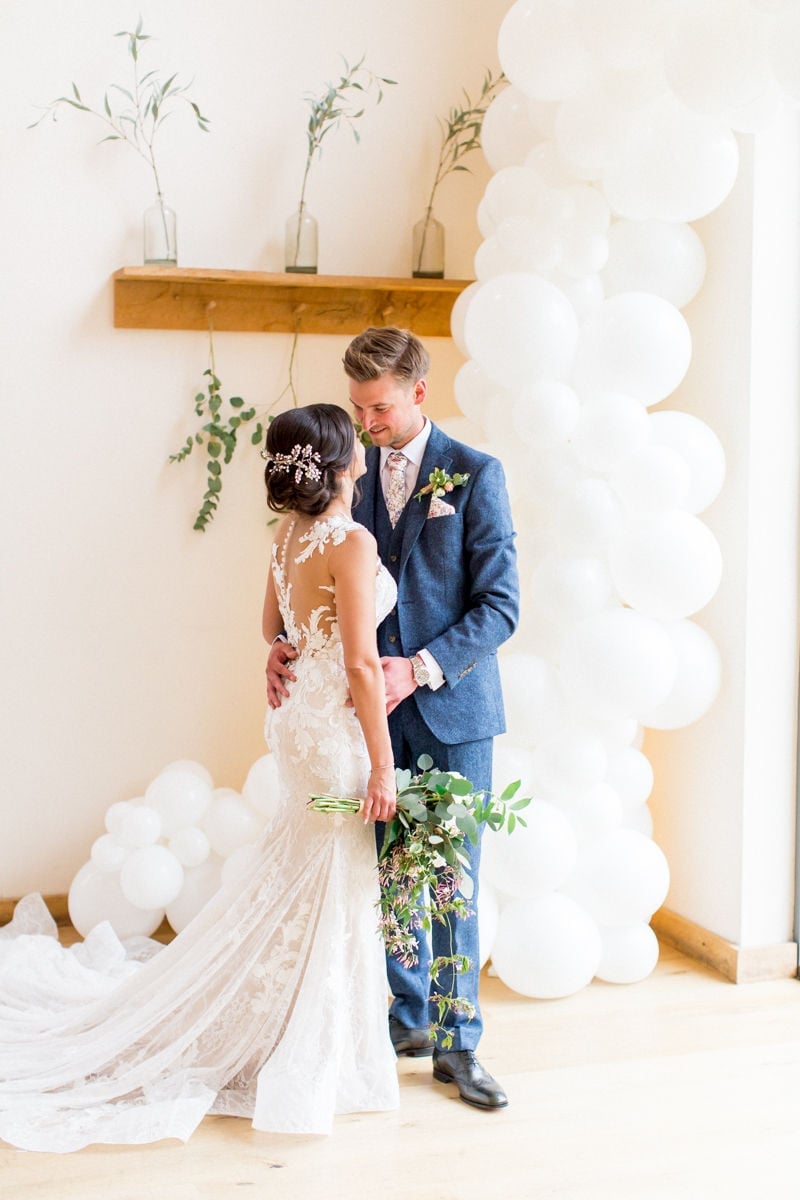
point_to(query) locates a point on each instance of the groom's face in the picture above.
(389, 409)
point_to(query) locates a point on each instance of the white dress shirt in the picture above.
(414, 452)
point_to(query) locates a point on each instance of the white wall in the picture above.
(725, 791)
(128, 639)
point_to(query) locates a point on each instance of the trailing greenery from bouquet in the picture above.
(423, 867)
(338, 103)
(135, 114)
(461, 134)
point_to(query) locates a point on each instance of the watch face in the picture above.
(421, 673)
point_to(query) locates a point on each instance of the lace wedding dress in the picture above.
(271, 1004)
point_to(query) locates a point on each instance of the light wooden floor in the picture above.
(683, 1087)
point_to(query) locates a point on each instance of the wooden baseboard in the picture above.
(739, 964)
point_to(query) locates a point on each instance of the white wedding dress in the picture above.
(270, 1005)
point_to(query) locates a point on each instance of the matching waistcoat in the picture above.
(389, 543)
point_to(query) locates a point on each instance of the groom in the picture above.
(454, 563)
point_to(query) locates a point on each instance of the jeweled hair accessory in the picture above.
(303, 460)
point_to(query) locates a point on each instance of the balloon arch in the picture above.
(618, 129)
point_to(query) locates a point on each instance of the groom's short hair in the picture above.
(382, 349)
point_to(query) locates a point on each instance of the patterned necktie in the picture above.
(396, 491)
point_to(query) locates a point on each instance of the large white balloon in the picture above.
(546, 947)
(571, 761)
(630, 774)
(666, 565)
(570, 587)
(107, 854)
(590, 517)
(624, 878)
(653, 478)
(180, 795)
(699, 447)
(533, 703)
(592, 813)
(507, 132)
(537, 858)
(190, 846)
(698, 680)
(230, 822)
(140, 826)
(611, 427)
(546, 413)
(96, 896)
(151, 877)
(541, 49)
(520, 328)
(667, 259)
(619, 663)
(457, 314)
(715, 61)
(671, 165)
(634, 343)
(630, 953)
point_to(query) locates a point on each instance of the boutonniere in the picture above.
(439, 482)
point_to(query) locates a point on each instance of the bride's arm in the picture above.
(353, 565)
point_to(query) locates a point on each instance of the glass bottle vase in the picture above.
(160, 235)
(301, 243)
(427, 248)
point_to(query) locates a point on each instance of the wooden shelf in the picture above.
(178, 298)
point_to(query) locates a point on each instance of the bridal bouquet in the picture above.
(422, 865)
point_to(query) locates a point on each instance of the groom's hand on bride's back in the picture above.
(279, 672)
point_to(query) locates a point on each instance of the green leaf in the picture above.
(214, 468)
(236, 402)
(512, 821)
(460, 787)
(424, 762)
(511, 790)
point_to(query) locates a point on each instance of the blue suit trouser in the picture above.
(411, 986)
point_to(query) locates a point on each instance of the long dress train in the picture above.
(271, 1004)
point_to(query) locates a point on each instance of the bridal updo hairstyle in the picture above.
(307, 450)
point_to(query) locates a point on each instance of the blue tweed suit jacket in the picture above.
(458, 592)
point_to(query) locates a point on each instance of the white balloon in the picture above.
(590, 517)
(191, 765)
(200, 884)
(671, 164)
(698, 680)
(180, 796)
(634, 343)
(514, 192)
(507, 132)
(699, 447)
(592, 812)
(618, 663)
(536, 858)
(115, 815)
(545, 413)
(141, 826)
(587, 127)
(541, 49)
(584, 294)
(665, 258)
(458, 313)
(666, 565)
(107, 854)
(230, 823)
(630, 953)
(626, 875)
(639, 819)
(714, 62)
(630, 774)
(96, 896)
(461, 429)
(653, 478)
(511, 763)
(572, 761)
(476, 394)
(190, 846)
(532, 699)
(151, 877)
(546, 947)
(569, 587)
(521, 328)
(262, 787)
(611, 427)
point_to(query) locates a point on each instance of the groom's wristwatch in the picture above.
(422, 675)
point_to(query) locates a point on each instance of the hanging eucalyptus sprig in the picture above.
(338, 103)
(461, 134)
(218, 434)
(136, 113)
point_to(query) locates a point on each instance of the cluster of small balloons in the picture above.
(617, 130)
(164, 854)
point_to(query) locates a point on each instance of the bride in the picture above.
(272, 1003)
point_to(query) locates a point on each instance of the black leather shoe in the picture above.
(475, 1086)
(410, 1043)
